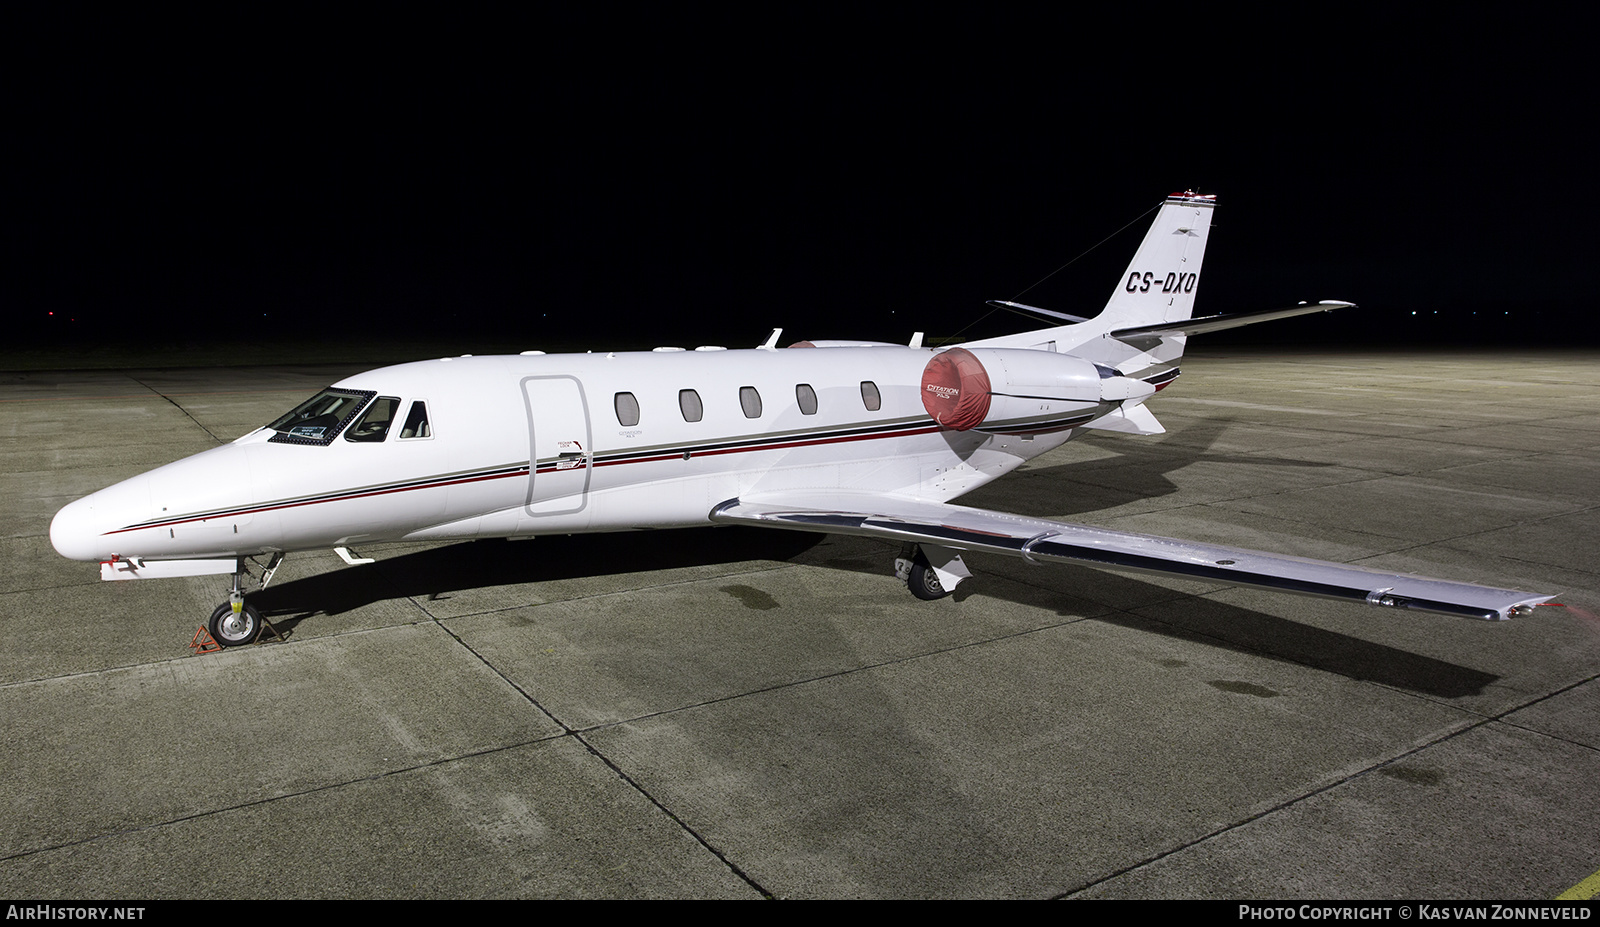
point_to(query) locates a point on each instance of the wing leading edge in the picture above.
(1038, 540)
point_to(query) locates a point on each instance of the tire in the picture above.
(228, 631)
(924, 582)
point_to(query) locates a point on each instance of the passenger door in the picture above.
(561, 450)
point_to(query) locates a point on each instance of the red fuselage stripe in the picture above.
(547, 468)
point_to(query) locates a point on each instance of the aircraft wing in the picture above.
(1038, 540)
(1217, 323)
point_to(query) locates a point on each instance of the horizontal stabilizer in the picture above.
(1037, 540)
(1217, 323)
(1035, 311)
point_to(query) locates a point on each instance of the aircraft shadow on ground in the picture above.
(1277, 637)
(1143, 472)
(440, 571)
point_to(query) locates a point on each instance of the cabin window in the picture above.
(374, 426)
(750, 401)
(870, 397)
(807, 398)
(627, 410)
(416, 425)
(689, 404)
(319, 419)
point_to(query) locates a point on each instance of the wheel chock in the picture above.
(203, 642)
(268, 631)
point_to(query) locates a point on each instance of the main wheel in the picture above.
(924, 582)
(232, 630)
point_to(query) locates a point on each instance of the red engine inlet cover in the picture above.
(955, 389)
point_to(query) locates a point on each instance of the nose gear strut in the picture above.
(235, 622)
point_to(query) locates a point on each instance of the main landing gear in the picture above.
(930, 572)
(235, 622)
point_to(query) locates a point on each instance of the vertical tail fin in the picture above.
(1158, 286)
(1160, 283)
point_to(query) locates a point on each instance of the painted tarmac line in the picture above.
(1583, 891)
(146, 392)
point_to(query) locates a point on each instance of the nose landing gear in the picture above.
(235, 622)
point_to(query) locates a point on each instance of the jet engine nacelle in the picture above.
(1020, 391)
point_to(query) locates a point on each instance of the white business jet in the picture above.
(830, 436)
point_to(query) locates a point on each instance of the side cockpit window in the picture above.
(374, 425)
(416, 425)
(319, 419)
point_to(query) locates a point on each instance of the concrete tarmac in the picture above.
(738, 713)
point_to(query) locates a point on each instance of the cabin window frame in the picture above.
(750, 401)
(806, 398)
(871, 397)
(616, 407)
(685, 397)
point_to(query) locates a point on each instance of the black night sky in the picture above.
(662, 182)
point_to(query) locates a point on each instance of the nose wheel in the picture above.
(236, 622)
(234, 628)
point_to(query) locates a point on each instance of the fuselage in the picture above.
(537, 444)
(870, 440)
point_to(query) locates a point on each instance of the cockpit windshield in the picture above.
(319, 419)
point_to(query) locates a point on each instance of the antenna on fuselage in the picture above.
(999, 304)
(771, 344)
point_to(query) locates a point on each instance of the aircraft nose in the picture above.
(70, 532)
(78, 532)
